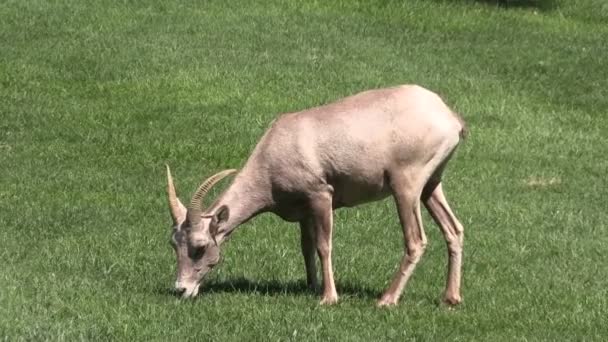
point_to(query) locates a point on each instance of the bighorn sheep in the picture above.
(363, 148)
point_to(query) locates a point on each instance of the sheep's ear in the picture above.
(221, 216)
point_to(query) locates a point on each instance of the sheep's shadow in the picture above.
(276, 288)
(538, 4)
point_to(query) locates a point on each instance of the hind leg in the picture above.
(453, 232)
(407, 199)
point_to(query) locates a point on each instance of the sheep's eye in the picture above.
(198, 253)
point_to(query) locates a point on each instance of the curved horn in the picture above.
(195, 209)
(175, 206)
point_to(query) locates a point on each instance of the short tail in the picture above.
(464, 130)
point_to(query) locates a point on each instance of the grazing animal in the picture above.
(378, 143)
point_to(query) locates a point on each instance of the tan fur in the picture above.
(363, 148)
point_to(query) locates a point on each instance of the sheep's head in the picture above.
(193, 235)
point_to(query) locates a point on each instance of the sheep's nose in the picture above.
(180, 290)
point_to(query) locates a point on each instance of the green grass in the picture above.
(95, 96)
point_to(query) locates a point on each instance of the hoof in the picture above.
(452, 300)
(329, 300)
(386, 301)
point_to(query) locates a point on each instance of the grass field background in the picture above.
(96, 96)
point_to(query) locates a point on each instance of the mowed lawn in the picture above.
(96, 96)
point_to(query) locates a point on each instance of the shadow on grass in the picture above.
(544, 5)
(281, 288)
(275, 288)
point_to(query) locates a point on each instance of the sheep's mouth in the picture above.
(191, 292)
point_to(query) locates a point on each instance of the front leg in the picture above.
(322, 217)
(309, 246)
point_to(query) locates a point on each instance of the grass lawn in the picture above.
(96, 96)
